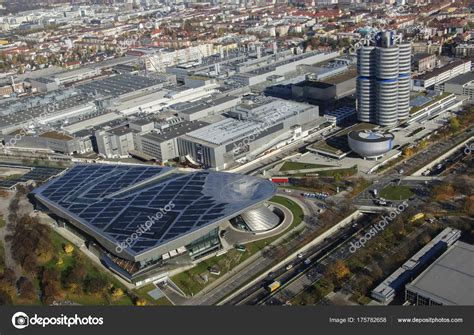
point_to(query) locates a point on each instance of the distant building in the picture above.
(464, 50)
(426, 47)
(49, 140)
(42, 85)
(424, 62)
(115, 142)
(162, 144)
(462, 85)
(198, 109)
(326, 91)
(442, 74)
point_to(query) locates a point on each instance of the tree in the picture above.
(75, 277)
(140, 302)
(5, 298)
(443, 192)
(408, 151)
(68, 248)
(51, 286)
(337, 270)
(94, 285)
(117, 292)
(469, 205)
(26, 288)
(454, 124)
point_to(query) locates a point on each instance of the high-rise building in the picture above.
(383, 82)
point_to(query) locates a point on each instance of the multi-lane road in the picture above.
(308, 266)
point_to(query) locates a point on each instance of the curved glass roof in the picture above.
(116, 200)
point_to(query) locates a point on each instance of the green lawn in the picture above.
(143, 293)
(290, 166)
(92, 270)
(394, 192)
(345, 172)
(191, 281)
(2, 222)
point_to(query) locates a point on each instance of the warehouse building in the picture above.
(448, 281)
(462, 85)
(162, 144)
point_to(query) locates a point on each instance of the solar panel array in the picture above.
(116, 200)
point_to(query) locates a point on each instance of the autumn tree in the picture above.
(469, 205)
(454, 124)
(337, 270)
(51, 286)
(26, 289)
(75, 277)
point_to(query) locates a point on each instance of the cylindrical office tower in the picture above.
(383, 83)
(387, 85)
(404, 80)
(366, 61)
(366, 100)
(366, 94)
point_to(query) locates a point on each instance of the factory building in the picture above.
(252, 130)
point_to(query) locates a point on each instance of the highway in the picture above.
(258, 293)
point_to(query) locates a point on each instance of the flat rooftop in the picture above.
(450, 279)
(56, 136)
(351, 73)
(119, 84)
(20, 111)
(175, 131)
(255, 117)
(462, 79)
(192, 107)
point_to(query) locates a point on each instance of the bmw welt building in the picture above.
(140, 217)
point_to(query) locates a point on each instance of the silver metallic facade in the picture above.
(260, 219)
(369, 144)
(383, 83)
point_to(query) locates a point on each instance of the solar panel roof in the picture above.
(115, 200)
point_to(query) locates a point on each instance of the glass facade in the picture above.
(204, 244)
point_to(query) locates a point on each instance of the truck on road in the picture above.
(273, 286)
